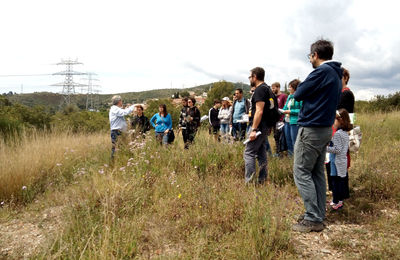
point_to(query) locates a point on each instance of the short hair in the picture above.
(240, 90)
(185, 99)
(323, 48)
(115, 99)
(164, 109)
(276, 84)
(140, 106)
(294, 83)
(345, 123)
(217, 101)
(259, 73)
(346, 75)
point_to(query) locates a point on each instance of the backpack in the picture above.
(273, 114)
(355, 137)
(171, 136)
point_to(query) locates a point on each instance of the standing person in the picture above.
(162, 123)
(140, 123)
(291, 111)
(347, 96)
(256, 148)
(320, 93)
(224, 116)
(192, 122)
(182, 119)
(213, 118)
(279, 135)
(241, 107)
(338, 157)
(117, 121)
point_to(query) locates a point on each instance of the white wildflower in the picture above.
(24, 187)
(101, 171)
(58, 164)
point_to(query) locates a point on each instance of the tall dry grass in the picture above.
(39, 158)
(171, 203)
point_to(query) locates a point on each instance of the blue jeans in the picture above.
(290, 135)
(308, 169)
(162, 138)
(256, 149)
(224, 129)
(114, 138)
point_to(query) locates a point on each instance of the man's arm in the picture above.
(309, 85)
(257, 119)
(123, 112)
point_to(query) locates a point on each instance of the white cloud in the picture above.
(141, 45)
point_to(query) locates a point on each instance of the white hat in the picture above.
(225, 99)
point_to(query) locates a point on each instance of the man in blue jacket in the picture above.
(320, 93)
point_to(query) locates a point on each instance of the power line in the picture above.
(26, 75)
(69, 84)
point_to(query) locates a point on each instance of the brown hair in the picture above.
(276, 84)
(344, 120)
(294, 84)
(259, 73)
(165, 113)
(346, 75)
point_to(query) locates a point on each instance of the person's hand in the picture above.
(252, 136)
(166, 131)
(286, 112)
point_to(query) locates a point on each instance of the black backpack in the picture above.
(273, 114)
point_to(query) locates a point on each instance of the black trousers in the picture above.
(338, 188)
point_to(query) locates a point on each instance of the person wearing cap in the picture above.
(118, 124)
(224, 116)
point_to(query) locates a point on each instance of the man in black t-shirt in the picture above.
(259, 111)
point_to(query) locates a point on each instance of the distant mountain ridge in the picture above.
(101, 101)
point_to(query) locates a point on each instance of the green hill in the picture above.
(101, 101)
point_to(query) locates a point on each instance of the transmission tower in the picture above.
(91, 88)
(68, 84)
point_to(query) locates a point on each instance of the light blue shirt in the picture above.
(116, 116)
(240, 109)
(161, 123)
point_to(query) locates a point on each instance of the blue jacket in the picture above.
(320, 93)
(161, 123)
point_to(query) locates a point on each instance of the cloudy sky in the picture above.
(143, 45)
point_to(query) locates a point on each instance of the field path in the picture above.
(22, 235)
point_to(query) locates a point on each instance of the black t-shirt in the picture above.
(262, 93)
(347, 101)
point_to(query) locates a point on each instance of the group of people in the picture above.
(314, 120)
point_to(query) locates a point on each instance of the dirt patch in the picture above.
(19, 238)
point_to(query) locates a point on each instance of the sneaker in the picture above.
(306, 226)
(337, 206)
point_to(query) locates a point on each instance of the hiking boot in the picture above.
(306, 226)
(300, 217)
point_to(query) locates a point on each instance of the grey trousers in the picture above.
(256, 149)
(309, 175)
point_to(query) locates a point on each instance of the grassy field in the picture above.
(169, 203)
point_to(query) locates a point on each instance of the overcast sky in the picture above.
(143, 45)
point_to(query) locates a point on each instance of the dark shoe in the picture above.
(300, 218)
(306, 226)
